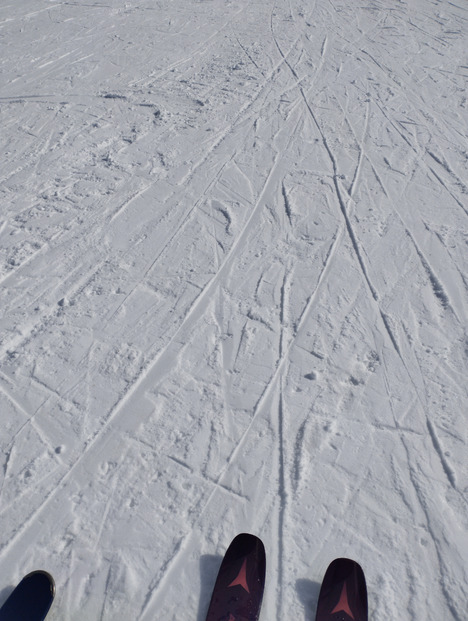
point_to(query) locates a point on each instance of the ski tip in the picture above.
(238, 591)
(42, 580)
(345, 563)
(343, 589)
(247, 538)
(342, 568)
(245, 544)
(31, 599)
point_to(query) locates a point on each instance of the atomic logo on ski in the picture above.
(241, 579)
(343, 605)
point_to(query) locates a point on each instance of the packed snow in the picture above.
(234, 298)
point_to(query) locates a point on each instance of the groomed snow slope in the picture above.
(234, 297)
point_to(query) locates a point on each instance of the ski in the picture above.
(343, 595)
(31, 599)
(238, 591)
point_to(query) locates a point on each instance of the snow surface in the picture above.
(234, 297)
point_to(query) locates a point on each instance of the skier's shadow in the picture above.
(308, 593)
(209, 567)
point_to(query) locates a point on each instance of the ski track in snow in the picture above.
(234, 288)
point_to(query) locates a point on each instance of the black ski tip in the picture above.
(247, 542)
(247, 545)
(31, 599)
(343, 595)
(344, 567)
(41, 580)
(238, 591)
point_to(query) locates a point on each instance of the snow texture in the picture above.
(234, 297)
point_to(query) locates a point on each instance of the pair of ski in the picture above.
(237, 594)
(238, 591)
